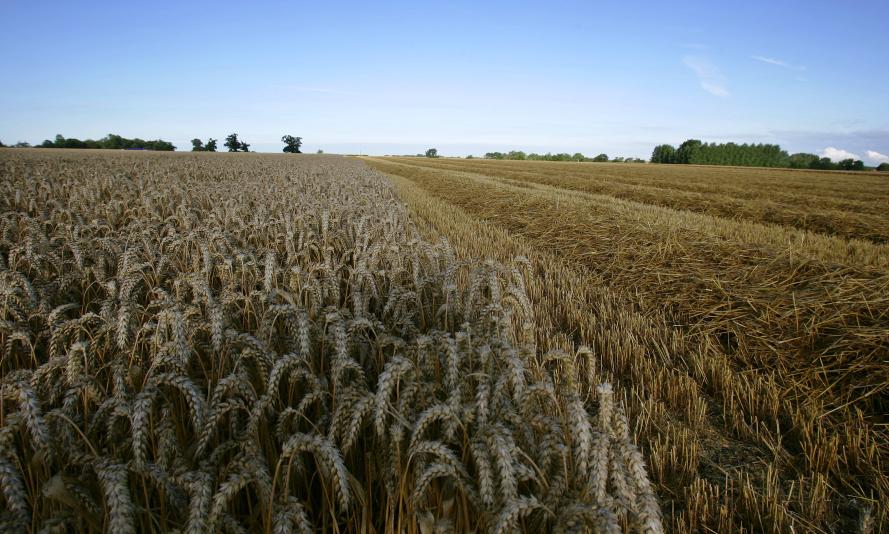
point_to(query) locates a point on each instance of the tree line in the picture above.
(110, 141)
(693, 151)
(233, 144)
(116, 142)
(563, 156)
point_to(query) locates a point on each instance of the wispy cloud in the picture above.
(709, 75)
(837, 154)
(777, 63)
(873, 155)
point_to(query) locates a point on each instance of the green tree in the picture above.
(292, 144)
(22, 144)
(883, 167)
(197, 145)
(601, 158)
(232, 143)
(663, 154)
(823, 164)
(687, 151)
(110, 141)
(802, 160)
(432, 153)
(2, 145)
(210, 146)
(244, 147)
(850, 164)
(115, 142)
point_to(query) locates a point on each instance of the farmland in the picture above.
(742, 314)
(242, 342)
(205, 343)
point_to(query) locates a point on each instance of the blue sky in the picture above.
(465, 77)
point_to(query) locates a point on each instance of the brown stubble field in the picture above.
(742, 313)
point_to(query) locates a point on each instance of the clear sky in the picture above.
(465, 77)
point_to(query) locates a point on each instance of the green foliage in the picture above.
(561, 156)
(198, 146)
(292, 144)
(663, 154)
(746, 155)
(232, 143)
(22, 144)
(2, 145)
(110, 141)
(687, 149)
(756, 155)
(802, 160)
(851, 165)
(319, 151)
(432, 153)
(883, 167)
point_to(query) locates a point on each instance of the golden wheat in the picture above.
(200, 343)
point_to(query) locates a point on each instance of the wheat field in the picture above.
(258, 343)
(750, 344)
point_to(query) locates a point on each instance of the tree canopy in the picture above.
(292, 144)
(562, 156)
(663, 154)
(234, 144)
(432, 153)
(693, 151)
(110, 141)
(198, 146)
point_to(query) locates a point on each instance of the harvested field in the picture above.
(754, 356)
(850, 205)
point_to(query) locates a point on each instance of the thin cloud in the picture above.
(873, 155)
(709, 75)
(777, 63)
(838, 154)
